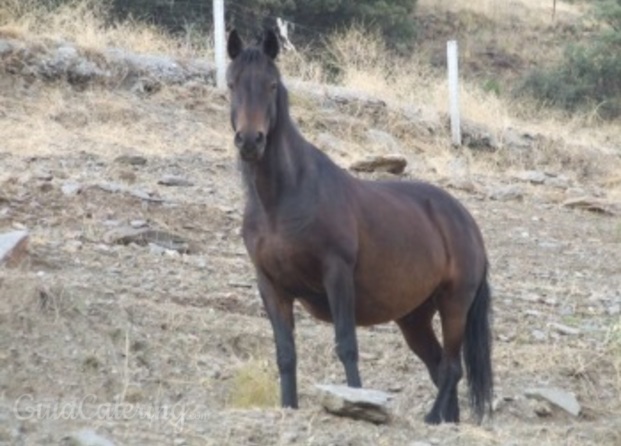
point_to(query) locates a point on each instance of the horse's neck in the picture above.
(283, 168)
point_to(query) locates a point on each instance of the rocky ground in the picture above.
(135, 312)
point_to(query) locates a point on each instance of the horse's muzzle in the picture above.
(250, 145)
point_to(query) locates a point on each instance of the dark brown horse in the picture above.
(355, 252)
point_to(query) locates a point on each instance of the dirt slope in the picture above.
(88, 320)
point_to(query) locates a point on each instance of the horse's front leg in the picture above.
(279, 308)
(339, 284)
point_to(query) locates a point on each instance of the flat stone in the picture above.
(138, 224)
(381, 163)
(364, 404)
(594, 204)
(13, 247)
(506, 193)
(558, 397)
(564, 329)
(532, 176)
(86, 437)
(175, 180)
(132, 160)
(146, 236)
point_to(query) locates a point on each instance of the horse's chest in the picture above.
(288, 262)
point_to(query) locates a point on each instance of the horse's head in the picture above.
(253, 79)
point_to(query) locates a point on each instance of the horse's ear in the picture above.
(234, 45)
(270, 44)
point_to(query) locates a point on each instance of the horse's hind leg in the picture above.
(453, 306)
(420, 337)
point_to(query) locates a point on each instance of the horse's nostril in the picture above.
(238, 139)
(260, 138)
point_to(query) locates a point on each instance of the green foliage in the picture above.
(313, 17)
(492, 86)
(590, 72)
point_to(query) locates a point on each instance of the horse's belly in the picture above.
(388, 289)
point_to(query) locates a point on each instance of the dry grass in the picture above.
(84, 22)
(367, 66)
(537, 11)
(253, 385)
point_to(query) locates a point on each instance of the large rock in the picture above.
(13, 247)
(559, 398)
(363, 404)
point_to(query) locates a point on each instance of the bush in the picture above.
(314, 17)
(590, 73)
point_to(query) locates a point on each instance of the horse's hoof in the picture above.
(432, 418)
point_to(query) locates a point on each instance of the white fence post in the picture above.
(453, 80)
(219, 48)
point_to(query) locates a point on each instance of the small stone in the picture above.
(364, 404)
(542, 409)
(532, 176)
(478, 136)
(138, 224)
(517, 140)
(128, 176)
(394, 164)
(548, 245)
(174, 180)
(13, 247)
(461, 184)
(133, 160)
(558, 182)
(613, 309)
(506, 193)
(564, 329)
(71, 188)
(147, 236)
(44, 176)
(560, 398)
(86, 437)
(147, 196)
(539, 335)
(110, 187)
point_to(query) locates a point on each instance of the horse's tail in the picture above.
(478, 350)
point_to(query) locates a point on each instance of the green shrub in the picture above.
(314, 17)
(590, 73)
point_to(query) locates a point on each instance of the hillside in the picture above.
(173, 319)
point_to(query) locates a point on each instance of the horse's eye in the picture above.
(273, 86)
(230, 85)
